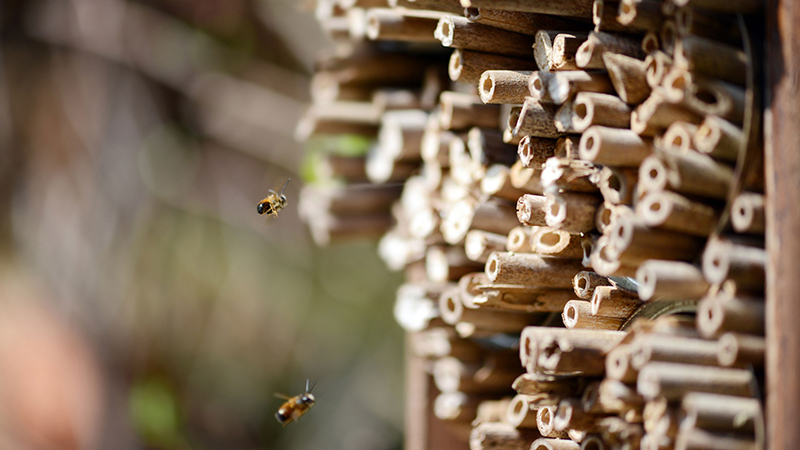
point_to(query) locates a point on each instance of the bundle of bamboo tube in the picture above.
(575, 181)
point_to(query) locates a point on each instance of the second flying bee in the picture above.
(296, 406)
(274, 202)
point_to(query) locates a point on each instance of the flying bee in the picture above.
(296, 406)
(274, 202)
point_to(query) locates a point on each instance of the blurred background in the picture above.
(144, 304)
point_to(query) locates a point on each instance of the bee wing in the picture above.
(283, 396)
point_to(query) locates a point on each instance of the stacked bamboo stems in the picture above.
(564, 187)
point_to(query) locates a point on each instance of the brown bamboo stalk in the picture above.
(741, 350)
(634, 242)
(504, 86)
(458, 32)
(573, 212)
(721, 412)
(533, 151)
(618, 364)
(467, 66)
(492, 411)
(531, 209)
(563, 118)
(676, 280)
(705, 95)
(605, 262)
(554, 50)
(673, 380)
(539, 387)
(658, 64)
(478, 244)
(719, 138)
(738, 6)
(670, 211)
(536, 119)
(640, 14)
(385, 24)
(570, 175)
(520, 413)
(697, 439)
(531, 270)
(591, 108)
(519, 239)
(686, 173)
(567, 147)
(499, 436)
(679, 136)
(729, 63)
(617, 397)
(747, 213)
(647, 348)
(518, 21)
(578, 315)
(461, 111)
(604, 17)
(614, 147)
(545, 422)
(589, 54)
(522, 298)
(570, 415)
(556, 243)
(661, 417)
(563, 351)
(714, 26)
(554, 444)
(573, 8)
(585, 282)
(613, 302)
(744, 264)
(564, 85)
(453, 312)
(628, 76)
(657, 113)
(618, 185)
(494, 375)
(718, 314)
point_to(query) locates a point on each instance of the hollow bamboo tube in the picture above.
(458, 32)
(500, 435)
(724, 259)
(670, 211)
(650, 42)
(605, 262)
(522, 298)
(676, 280)
(518, 21)
(747, 213)
(653, 347)
(563, 351)
(571, 175)
(591, 108)
(570, 415)
(614, 147)
(533, 151)
(613, 302)
(545, 422)
(467, 66)
(738, 6)
(657, 65)
(689, 173)
(452, 375)
(554, 444)
(534, 385)
(573, 212)
(618, 185)
(567, 147)
(628, 76)
(585, 282)
(589, 54)
(563, 118)
(536, 119)
(556, 243)
(492, 411)
(633, 242)
(562, 86)
(617, 397)
(531, 270)
(715, 26)
(717, 314)
(531, 209)
(661, 417)
(741, 350)
(656, 113)
(384, 24)
(461, 111)
(604, 17)
(520, 414)
(729, 63)
(719, 138)
(572, 8)
(618, 364)
(519, 239)
(673, 380)
(451, 6)
(478, 244)
(469, 284)
(503, 86)
(721, 412)
(555, 50)
(528, 180)
(578, 315)
(640, 14)
(699, 439)
(452, 311)
(679, 136)
(704, 95)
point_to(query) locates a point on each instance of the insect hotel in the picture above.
(576, 193)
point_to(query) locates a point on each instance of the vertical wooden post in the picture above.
(782, 153)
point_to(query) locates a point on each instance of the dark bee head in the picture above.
(307, 399)
(264, 208)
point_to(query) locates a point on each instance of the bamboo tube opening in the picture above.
(650, 42)
(593, 443)
(550, 238)
(570, 315)
(528, 351)
(486, 86)
(455, 65)
(544, 420)
(653, 174)
(518, 240)
(444, 31)
(582, 110)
